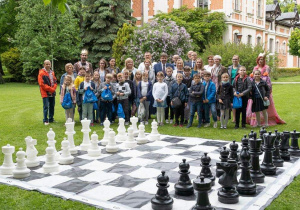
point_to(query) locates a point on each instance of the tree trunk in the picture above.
(1, 73)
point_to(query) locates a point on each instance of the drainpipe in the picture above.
(142, 14)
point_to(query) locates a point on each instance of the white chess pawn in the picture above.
(8, 164)
(51, 164)
(31, 152)
(70, 133)
(154, 135)
(130, 142)
(106, 130)
(112, 146)
(51, 142)
(21, 170)
(65, 158)
(86, 134)
(134, 121)
(141, 139)
(121, 137)
(94, 150)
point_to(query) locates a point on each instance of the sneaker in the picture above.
(185, 122)
(92, 124)
(236, 127)
(221, 127)
(171, 121)
(167, 121)
(175, 125)
(161, 124)
(199, 126)
(243, 126)
(225, 127)
(188, 126)
(46, 123)
(101, 124)
(215, 124)
(126, 123)
(206, 125)
(146, 123)
(181, 125)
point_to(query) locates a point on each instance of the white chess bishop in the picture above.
(65, 158)
(51, 142)
(141, 139)
(8, 164)
(21, 171)
(51, 164)
(121, 137)
(106, 130)
(154, 135)
(112, 146)
(134, 121)
(31, 152)
(86, 134)
(94, 150)
(130, 142)
(70, 133)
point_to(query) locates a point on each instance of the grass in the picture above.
(21, 116)
(288, 79)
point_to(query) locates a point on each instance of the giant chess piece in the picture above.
(202, 186)
(277, 160)
(134, 121)
(70, 133)
(294, 148)
(184, 185)
(130, 142)
(51, 164)
(284, 146)
(31, 152)
(106, 130)
(246, 185)
(205, 171)
(228, 194)
(255, 151)
(94, 150)
(141, 139)
(154, 135)
(224, 158)
(112, 146)
(86, 134)
(245, 142)
(66, 158)
(233, 151)
(262, 131)
(121, 136)
(162, 199)
(252, 135)
(267, 166)
(51, 143)
(21, 171)
(8, 165)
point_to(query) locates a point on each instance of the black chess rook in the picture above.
(202, 186)
(294, 148)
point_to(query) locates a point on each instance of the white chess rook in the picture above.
(130, 142)
(141, 139)
(134, 121)
(112, 146)
(21, 170)
(8, 164)
(94, 150)
(106, 130)
(51, 142)
(70, 133)
(51, 164)
(65, 158)
(31, 152)
(121, 137)
(154, 135)
(86, 134)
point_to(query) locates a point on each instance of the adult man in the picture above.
(192, 62)
(83, 62)
(174, 59)
(147, 56)
(162, 65)
(48, 83)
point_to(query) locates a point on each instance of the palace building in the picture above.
(248, 21)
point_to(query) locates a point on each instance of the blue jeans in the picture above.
(48, 106)
(106, 109)
(195, 106)
(212, 108)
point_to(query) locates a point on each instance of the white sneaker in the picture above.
(206, 125)
(215, 124)
(171, 121)
(146, 122)
(167, 121)
(221, 127)
(126, 123)
(46, 123)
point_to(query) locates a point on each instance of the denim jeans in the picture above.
(210, 107)
(195, 106)
(48, 106)
(106, 109)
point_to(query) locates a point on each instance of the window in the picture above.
(258, 40)
(237, 5)
(203, 4)
(271, 42)
(249, 39)
(235, 38)
(277, 47)
(284, 48)
(259, 8)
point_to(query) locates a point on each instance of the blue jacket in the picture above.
(158, 67)
(211, 92)
(183, 92)
(149, 91)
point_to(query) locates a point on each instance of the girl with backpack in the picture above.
(67, 90)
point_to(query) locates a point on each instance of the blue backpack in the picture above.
(67, 101)
(120, 111)
(237, 102)
(106, 94)
(89, 96)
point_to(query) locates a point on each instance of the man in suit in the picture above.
(162, 65)
(192, 63)
(174, 59)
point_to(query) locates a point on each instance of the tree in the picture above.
(45, 33)
(102, 20)
(60, 4)
(294, 43)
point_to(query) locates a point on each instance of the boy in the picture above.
(169, 80)
(87, 108)
(209, 99)
(187, 80)
(114, 83)
(123, 92)
(79, 79)
(195, 93)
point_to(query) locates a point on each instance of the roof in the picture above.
(270, 7)
(287, 16)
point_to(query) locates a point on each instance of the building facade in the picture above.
(248, 21)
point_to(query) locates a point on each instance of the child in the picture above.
(260, 92)
(195, 96)
(160, 93)
(68, 87)
(209, 99)
(132, 96)
(114, 83)
(144, 94)
(179, 90)
(87, 108)
(169, 80)
(241, 88)
(106, 104)
(97, 81)
(225, 97)
(123, 92)
(187, 80)
(79, 79)
(136, 80)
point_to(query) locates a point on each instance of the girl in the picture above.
(198, 67)
(129, 65)
(112, 66)
(136, 80)
(149, 69)
(102, 69)
(68, 87)
(160, 93)
(97, 81)
(179, 66)
(225, 98)
(260, 93)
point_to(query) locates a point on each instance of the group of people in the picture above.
(174, 91)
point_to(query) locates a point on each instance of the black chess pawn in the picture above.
(184, 185)
(162, 199)
(223, 157)
(294, 148)
(228, 194)
(252, 134)
(205, 171)
(284, 146)
(267, 166)
(262, 131)
(254, 150)
(202, 186)
(245, 142)
(277, 160)
(233, 151)
(246, 186)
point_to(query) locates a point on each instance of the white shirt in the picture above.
(142, 66)
(160, 91)
(144, 86)
(208, 68)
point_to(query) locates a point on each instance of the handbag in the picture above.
(237, 102)
(267, 102)
(176, 100)
(67, 101)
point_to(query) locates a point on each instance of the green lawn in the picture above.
(288, 79)
(21, 116)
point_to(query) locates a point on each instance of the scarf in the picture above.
(216, 70)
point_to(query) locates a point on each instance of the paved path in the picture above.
(285, 82)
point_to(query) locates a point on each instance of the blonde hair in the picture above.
(67, 65)
(160, 74)
(127, 60)
(71, 84)
(84, 51)
(138, 72)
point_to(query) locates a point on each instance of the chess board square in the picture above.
(61, 168)
(193, 141)
(176, 159)
(172, 139)
(113, 159)
(214, 143)
(121, 169)
(259, 189)
(100, 176)
(126, 181)
(87, 157)
(75, 172)
(37, 167)
(195, 163)
(192, 154)
(179, 204)
(180, 146)
(186, 198)
(169, 151)
(154, 156)
(138, 162)
(49, 181)
(174, 176)
(96, 165)
(80, 152)
(147, 148)
(201, 147)
(149, 186)
(104, 192)
(76, 186)
(80, 162)
(160, 143)
(144, 173)
(33, 175)
(103, 151)
(132, 153)
(134, 199)
(165, 166)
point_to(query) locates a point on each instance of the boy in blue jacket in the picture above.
(209, 99)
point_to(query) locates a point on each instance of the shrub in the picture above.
(288, 72)
(11, 60)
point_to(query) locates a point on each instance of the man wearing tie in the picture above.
(162, 65)
(192, 63)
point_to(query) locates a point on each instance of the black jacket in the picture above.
(242, 86)
(263, 89)
(225, 92)
(198, 90)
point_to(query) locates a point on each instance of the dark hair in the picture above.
(206, 73)
(88, 73)
(186, 68)
(196, 75)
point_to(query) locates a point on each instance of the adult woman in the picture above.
(129, 65)
(102, 69)
(69, 71)
(149, 69)
(273, 117)
(210, 65)
(217, 71)
(198, 67)
(179, 65)
(112, 67)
